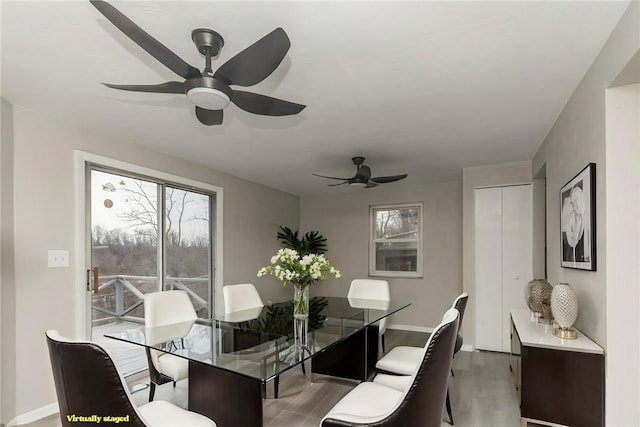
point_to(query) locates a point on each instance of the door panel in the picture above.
(517, 252)
(488, 268)
(188, 242)
(124, 245)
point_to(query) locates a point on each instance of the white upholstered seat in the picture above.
(400, 360)
(366, 402)
(165, 414)
(398, 382)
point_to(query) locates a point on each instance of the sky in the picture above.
(109, 201)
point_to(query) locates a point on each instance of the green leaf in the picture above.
(311, 243)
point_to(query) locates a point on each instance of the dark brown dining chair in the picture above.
(402, 360)
(88, 385)
(419, 404)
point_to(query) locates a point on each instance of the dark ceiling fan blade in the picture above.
(342, 183)
(168, 87)
(330, 177)
(265, 105)
(145, 41)
(256, 62)
(385, 179)
(209, 117)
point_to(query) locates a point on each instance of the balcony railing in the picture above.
(120, 297)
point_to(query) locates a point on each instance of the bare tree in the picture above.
(142, 210)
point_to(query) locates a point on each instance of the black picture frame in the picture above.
(578, 221)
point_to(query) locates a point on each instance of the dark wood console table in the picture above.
(559, 382)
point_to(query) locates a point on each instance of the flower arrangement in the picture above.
(288, 266)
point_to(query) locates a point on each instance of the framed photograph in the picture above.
(578, 220)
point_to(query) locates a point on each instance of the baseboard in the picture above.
(467, 347)
(411, 328)
(35, 415)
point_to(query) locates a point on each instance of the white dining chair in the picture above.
(240, 297)
(160, 309)
(372, 289)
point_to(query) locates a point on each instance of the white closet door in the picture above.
(488, 268)
(517, 252)
(503, 260)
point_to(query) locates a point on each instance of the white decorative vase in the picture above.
(564, 306)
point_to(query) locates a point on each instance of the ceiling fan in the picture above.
(363, 178)
(210, 91)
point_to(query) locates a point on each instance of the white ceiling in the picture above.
(421, 87)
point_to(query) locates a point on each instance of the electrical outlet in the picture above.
(58, 258)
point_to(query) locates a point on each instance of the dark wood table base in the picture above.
(229, 399)
(234, 400)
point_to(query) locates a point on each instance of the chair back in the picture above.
(424, 399)
(460, 304)
(88, 382)
(167, 307)
(241, 297)
(371, 289)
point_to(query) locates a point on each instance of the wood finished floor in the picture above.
(482, 392)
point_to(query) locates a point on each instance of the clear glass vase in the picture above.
(300, 301)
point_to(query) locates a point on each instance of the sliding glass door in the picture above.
(146, 236)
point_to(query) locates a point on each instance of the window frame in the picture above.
(373, 240)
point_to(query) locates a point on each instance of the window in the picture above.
(396, 240)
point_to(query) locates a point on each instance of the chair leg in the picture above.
(452, 374)
(382, 340)
(174, 384)
(276, 386)
(152, 390)
(304, 371)
(448, 403)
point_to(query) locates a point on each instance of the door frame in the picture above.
(82, 304)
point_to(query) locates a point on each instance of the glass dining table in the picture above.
(234, 356)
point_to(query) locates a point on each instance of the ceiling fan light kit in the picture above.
(210, 91)
(363, 178)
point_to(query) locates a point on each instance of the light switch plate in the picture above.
(58, 258)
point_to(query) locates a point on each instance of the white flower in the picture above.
(288, 266)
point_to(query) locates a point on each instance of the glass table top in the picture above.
(260, 343)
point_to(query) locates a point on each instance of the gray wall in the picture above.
(7, 283)
(43, 189)
(577, 138)
(344, 221)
